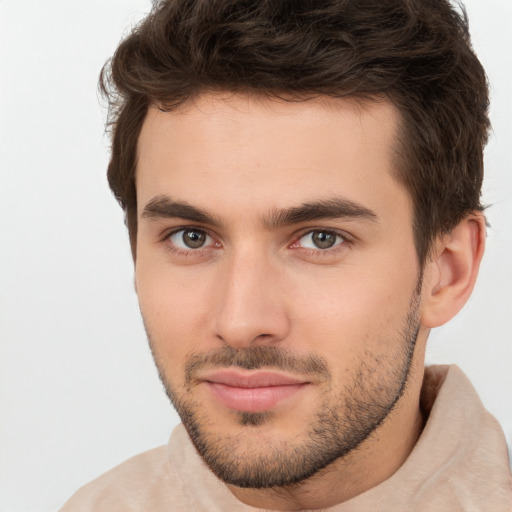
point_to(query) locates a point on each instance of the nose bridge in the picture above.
(250, 306)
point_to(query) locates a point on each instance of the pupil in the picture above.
(193, 239)
(324, 240)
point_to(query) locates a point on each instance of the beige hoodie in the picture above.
(459, 463)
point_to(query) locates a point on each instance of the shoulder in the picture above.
(172, 477)
(133, 485)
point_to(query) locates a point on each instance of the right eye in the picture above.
(190, 239)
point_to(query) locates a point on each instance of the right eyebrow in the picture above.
(163, 207)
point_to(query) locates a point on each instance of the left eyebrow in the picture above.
(333, 208)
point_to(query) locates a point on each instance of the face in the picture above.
(277, 278)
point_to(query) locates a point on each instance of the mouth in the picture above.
(251, 391)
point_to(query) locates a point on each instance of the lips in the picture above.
(251, 391)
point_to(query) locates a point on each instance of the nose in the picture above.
(251, 302)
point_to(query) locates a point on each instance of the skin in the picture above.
(259, 282)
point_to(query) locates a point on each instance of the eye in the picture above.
(320, 239)
(190, 239)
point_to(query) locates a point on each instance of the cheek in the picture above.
(174, 307)
(347, 314)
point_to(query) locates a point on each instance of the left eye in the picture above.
(320, 240)
(190, 239)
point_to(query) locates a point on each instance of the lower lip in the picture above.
(252, 399)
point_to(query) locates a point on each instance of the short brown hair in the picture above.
(417, 53)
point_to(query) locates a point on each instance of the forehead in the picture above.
(241, 153)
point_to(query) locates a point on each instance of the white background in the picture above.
(78, 391)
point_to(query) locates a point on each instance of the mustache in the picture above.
(254, 358)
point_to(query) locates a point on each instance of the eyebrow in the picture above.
(332, 208)
(165, 207)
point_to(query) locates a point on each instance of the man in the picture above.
(301, 182)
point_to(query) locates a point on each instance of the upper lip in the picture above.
(250, 378)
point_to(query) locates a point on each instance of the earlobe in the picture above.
(451, 272)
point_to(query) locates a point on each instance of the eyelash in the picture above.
(346, 241)
(166, 241)
(330, 251)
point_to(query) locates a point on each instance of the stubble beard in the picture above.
(340, 424)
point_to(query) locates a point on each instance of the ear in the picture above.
(451, 272)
